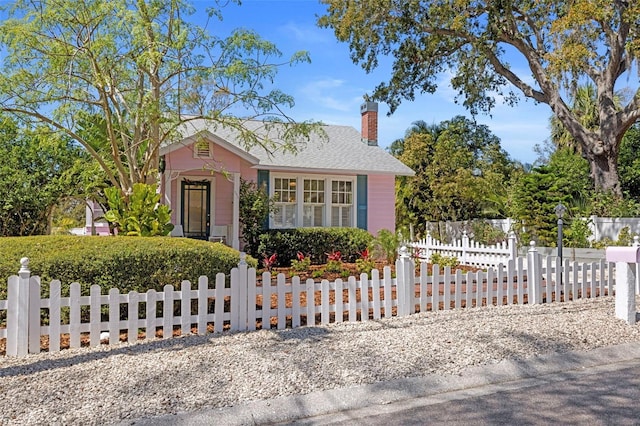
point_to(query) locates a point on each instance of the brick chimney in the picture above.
(369, 111)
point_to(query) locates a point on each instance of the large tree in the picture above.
(38, 169)
(534, 195)
(143, 69)
(460, 170)
(563, 43)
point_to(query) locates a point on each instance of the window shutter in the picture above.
(362, 202)
(263, 181)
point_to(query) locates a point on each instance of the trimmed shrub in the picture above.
(129, 264)
(314, 242)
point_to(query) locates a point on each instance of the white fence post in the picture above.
(239, 291)
(405, 271)
(513, 246)
(625, 259)
(427, 252)
(534, 276)
(465, 246)
(636, 243)
(18, 311)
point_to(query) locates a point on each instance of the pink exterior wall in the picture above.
(223, 161)
(381, 210)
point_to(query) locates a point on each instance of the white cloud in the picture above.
(305, 33)
(330, 93)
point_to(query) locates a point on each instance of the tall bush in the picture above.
(141, 215)
(255, 207)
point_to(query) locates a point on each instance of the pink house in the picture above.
(343, 180)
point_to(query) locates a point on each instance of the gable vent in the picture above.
(202, 149)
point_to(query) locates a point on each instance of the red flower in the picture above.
(269, 261)
(365, 254)
(335, 255)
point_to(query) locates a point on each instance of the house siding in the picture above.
(214, 169)
(381, 203)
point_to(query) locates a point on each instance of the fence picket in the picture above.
(252, 290)
(479, 288)
(388, 301)
(500, 293)
(490, 293)
(167, 312)
(339, 300)
(74, 315)
(435, 288)
(458, 289)
(520, 278)
(375, 291)
(575, 285)
(424, 295)
(151, 310)
(94, 314)
(324, 297)
(447, 288)
(311, 302)
(114, 316)
(132, 317)
(592, 268)
(266, 300)
(219, 293)
(282, 299)
(54, 316)
(352, 301)
(469, 293)
(511, 273)
(203, 289)
(363, 284)
(295, 302)
(34, 319)
(185, 308)
(601, 278)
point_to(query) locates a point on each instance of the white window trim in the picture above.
(327, 196)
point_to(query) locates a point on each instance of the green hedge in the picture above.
(126, 263)
(316, 242)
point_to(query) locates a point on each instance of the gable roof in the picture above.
(342, 151)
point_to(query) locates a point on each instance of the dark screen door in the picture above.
(196, 197)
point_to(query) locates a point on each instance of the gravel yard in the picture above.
(107, 385)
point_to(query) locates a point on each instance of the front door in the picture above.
(196, 213)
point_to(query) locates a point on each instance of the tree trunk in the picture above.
(604, 172)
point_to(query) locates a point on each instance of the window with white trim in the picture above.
(341, 203)
(285, 205)
(313, 202)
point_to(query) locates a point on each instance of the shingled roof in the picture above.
(340, 151)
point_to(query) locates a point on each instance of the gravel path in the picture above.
(107, 385)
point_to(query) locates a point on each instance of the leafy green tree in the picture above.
(535, 195)
(629, 162)
(563, 43)
(255, 207)
(145, 71)
(38, 169)
(460, 173)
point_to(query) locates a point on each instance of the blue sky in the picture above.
(331, 88)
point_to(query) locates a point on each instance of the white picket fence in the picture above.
(466, 251)
(247, 304)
